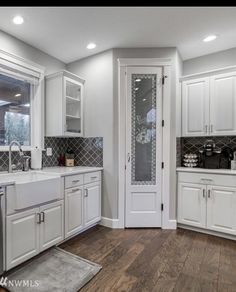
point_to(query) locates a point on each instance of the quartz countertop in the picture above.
(10, 178)
(206, 170)
(64, 170)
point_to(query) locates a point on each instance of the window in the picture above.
(15, 99)
(21, 102)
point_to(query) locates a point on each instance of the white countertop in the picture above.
(10, 178)
(206, 170)
(63, 170)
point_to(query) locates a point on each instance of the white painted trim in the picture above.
(147, 62)
(172, 224)
(206, 231)
(111, 223)
(18, 66)
(17, 61)
(209, 72)
(122, 64)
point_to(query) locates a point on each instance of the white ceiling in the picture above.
(64, 32)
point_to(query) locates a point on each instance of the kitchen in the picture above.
(118, 148)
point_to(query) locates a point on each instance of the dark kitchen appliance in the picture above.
(210, 155)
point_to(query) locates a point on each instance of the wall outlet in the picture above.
(49, 151)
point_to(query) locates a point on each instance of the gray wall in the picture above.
(97, 70)
(210, 62)
(21, 49)
(101, 112)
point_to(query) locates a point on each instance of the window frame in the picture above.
(19, 67)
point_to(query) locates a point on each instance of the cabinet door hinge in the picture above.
(163, 123)
(162, 165)
(163, 79)
(162, 207)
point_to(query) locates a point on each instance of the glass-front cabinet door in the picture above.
(73, 107)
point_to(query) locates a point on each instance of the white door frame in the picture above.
(166, 114)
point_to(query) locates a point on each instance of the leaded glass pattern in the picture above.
(143, 133)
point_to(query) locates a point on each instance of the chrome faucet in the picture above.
(10, 168)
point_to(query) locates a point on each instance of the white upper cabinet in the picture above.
(209, 106)
(64, 104)
(195, 110)
(223, 104)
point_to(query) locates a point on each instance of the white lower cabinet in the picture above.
(192, 204)
(51, 227)
(221, 209)
(32, 231)
(22, 237)
(207, 205)
(92, 203)
(73, 211)
(82, 206)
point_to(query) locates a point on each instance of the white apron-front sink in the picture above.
(35, 188)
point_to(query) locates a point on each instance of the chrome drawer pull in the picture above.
(75, 190)
(204, 193)
(209, 193)
(75, 181)
(38, 218)
(93, 177)
(43, 217)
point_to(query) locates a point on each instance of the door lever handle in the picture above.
(128, 157)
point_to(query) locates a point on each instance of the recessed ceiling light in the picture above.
(210, 38)
(91, 46)
(138, 80)
(18, 94)
(26, 105)
(18, 19)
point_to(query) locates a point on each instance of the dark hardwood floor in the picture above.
(152, 260)
(157, 260)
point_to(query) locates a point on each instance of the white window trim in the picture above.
(18, 65)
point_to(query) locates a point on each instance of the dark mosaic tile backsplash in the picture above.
(193, 144)
(88, 152)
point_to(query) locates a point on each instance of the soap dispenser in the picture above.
(233, 162)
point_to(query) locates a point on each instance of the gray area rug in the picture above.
(55, 270)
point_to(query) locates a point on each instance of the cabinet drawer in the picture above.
(208, 179)
(92, 177)
(74, 180)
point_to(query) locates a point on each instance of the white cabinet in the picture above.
(209, 105)
(73, 211)
(82, 202)
(92, 203)
(192, 204)
(32, 231)
(223, 104)
(22, 237)
(206, 204)
(64, 104)
(195, 107)
(51, 227)
(221, 209)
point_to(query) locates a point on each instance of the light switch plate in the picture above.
(49, 151)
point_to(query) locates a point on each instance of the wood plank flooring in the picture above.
(156, 260)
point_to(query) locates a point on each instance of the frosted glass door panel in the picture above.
(143, 120)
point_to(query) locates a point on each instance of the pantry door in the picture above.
(143, 146)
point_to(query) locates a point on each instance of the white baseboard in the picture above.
(111, 223)
(172, 224)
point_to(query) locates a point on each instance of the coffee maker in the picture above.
(210, 155)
